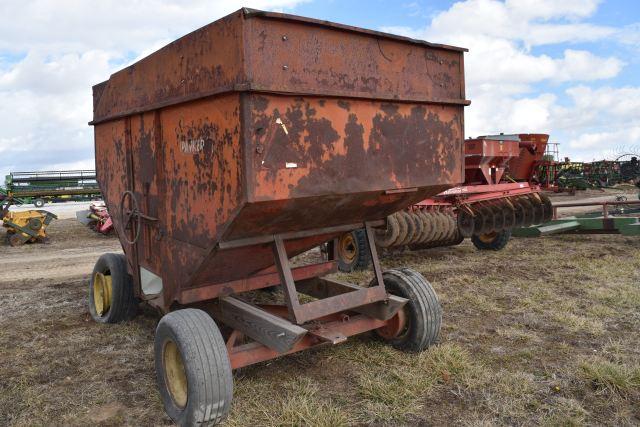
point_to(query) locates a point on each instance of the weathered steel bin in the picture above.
(247, 142)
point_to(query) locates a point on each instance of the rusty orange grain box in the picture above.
(264, 123)
(249, 141)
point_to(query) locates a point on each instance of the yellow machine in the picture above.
(27, 226)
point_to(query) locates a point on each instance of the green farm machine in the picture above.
(49, 186)
(570, 176)
(616, 217)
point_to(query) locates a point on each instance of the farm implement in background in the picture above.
(51, 186)
(96, 218)
(486, 209)
(555, 175)
(25, 226)
(624, 220)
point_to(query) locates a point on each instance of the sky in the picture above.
(569, 68)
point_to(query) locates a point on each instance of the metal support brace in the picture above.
(374, 253)
(301, 313)
(286, 278)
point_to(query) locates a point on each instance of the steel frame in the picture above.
(332, 329)
(478, 193)
(301, 313)
(605, 205)
(341, 309)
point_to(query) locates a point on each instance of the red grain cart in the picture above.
(245, 143)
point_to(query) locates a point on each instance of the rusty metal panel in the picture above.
(203, 184)
(146, 161)
(204, 168)
(232, 264)
(272, 52)
(286, 54)
(111, 169)
(317, 146)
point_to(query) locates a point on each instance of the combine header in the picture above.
(42, 186)
(245, 143)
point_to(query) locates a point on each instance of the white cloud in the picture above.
(66, 46)
(606, 144)
(548, 9)
(532, 22)
(603, 107)
(630, 35)
(600, 122)
(44, 73)
(110, 25)
(509, 115)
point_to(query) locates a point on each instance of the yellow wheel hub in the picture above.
(174, 374)
(488, 237)
(101, 293)
(347, 247)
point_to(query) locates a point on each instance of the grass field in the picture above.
(544, 332)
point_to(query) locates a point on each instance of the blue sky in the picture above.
(570, 68)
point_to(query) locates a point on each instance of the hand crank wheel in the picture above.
(131, 218)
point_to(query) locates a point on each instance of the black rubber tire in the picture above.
(498, 243)
(362, 260)
(423, 309)
(38, 203)
(488, 221)
(206, 366)
(123, 303)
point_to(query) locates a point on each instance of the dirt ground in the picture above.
(544, 332)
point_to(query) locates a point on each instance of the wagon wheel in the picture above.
(131, 219)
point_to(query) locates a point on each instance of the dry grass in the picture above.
(612, 377)
(545, 332)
